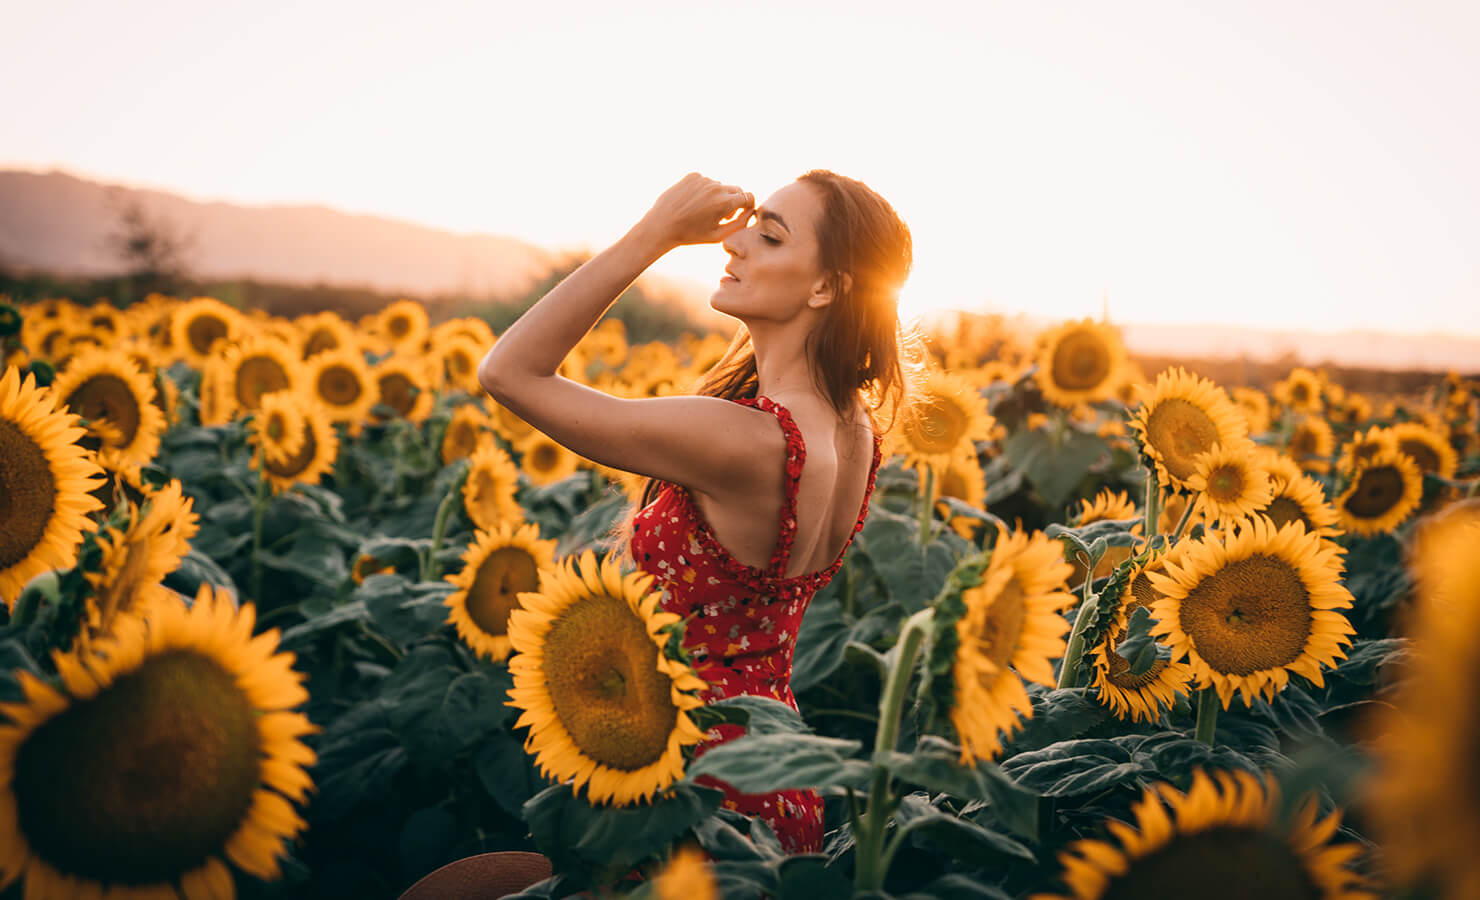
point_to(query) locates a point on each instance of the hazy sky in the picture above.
(1257, 163)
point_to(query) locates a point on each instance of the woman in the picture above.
(742, 520)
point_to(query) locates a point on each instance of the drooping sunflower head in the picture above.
(403, 324)
(1384, 491)
(106, 386)
(260, 364)
(340, 382)
(1363, 446)
(1301, 391)
(1012, 631)
(545, 460)
(1427, 447)
(1108, 505)
(1250, 608)
(1182, 417)
(1216, 841)
(1300, 499)
(605, 704)
(137, 557)
(279, 427)
(316, 453)
(488, 492)
(458, 357)
(464, 432)
(401, 383)
(1312, 444)
(1116, 685)
(948, 417)
(1231, 482)
(1080, 362)
(196, 326)
(171, 749)
(964, 480)
(45, 482)
(324, 331)
(497, 567)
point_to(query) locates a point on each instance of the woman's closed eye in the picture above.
(770, 240)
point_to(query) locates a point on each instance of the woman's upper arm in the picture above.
(704, 443)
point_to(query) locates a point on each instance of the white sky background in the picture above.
(1311, 164)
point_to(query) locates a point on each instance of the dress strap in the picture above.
(796, 457)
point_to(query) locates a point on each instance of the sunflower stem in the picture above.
(925, 504)
(1207, 715)
(872, 863)
(259, 511)
(431, 568)
(1069, 670)
(1153, 504)
(1186, 517)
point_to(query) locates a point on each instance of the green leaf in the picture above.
(438, 710)
(1055, 468)
(358, 756)
(507, 773)
(403, 610)
(1138, 647)
(820, 642)
(808, 877)
(1058, 715)
(957, 887)
(301, 635)
(761, 715)
(1072, 768)
(775, 762)
(961, 839)
(935, 765)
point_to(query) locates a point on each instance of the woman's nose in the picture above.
(732, 243)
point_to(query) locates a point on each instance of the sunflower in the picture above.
(948, 417)
(1254, 404)
(1384, 492)
(1354, 410)
(1427, 447)
(217, 405)
(401, 383)
(1422, 792)
(1080, 362)
(1249, 609)
(545, 460)
(279, 427)
(196, 326)
(686, 877)
(474, 329)
(1363, 446)
(1128, 695)
(1300, 499)
(1220, 839)
(606, 343)
(962, 479)
(1182, 417)
(137, 557)
(1173, 507)
(464, 432)
(260, 364)
(457, 364)
(340, 381)
(488, 492)
(1300, 392)
(105, 385)
(1109, 506)
(314, 458)
(1012, 630)
(170, 751)
(497, 566)
(45, 480)
(403, 324)
(1312, 443)
(1230, 482)
(605, 704)
(324, 331)
(503, 419)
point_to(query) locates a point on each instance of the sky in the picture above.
(1311, 165)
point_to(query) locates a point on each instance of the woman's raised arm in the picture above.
(694, 441)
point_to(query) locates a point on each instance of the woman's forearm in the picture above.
(539, 341)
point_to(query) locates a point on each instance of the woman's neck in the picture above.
(782, 365)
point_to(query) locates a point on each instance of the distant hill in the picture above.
(60, 223)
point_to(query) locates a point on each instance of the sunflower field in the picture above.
(291, 608)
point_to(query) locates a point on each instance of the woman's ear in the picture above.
(822, 295)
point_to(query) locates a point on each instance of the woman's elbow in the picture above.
(493, 374)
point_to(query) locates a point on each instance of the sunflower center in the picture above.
(1179, 431)
(319, 340)
(1365, 451)
(462, 439)
(459, 364)
(276, 427)
(495, 591)
(1081, 362)
(997, 638)
(1217, 864)
(146, 780)
(258, 375)
(1379, 490)
(399, 326)
(1249, 616)
(1226, 482)
(602, 670)
(1120, 669)
(545, 458)
(1423, 454)
(937, 426)
(339, 385)
(1283, 510)
(107, 396)
(1300, 392)
(27, 494)
(203, 331)
(397, 392)
(292, 466)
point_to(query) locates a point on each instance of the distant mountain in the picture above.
(60, 223)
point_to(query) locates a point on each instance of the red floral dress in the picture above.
(744, 619)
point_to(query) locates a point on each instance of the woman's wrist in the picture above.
(648, 240)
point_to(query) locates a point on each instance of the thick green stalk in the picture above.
(1153, 504)
(926, 513)
(1186, 515)
(259, 511)
(1207, 715)
(431, 568)
(1069, 670)
(871, 865)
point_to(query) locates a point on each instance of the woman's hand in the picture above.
(699, 210)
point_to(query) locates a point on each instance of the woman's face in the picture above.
(774, 270)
